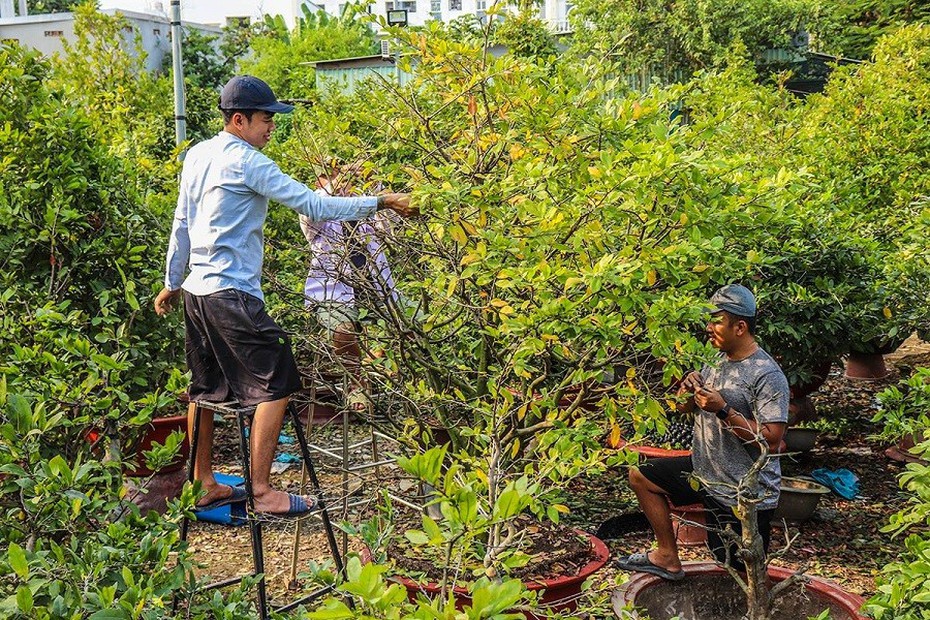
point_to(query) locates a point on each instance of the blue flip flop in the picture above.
(640, 563)
(236, 495)
(298, 507)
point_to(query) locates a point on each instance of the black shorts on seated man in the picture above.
(742, 396)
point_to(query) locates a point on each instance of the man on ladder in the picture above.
(235, 351)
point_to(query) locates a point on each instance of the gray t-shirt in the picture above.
(757, 388)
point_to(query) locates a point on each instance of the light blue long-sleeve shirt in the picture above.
(217, 233)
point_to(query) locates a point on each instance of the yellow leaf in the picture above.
(457, 234)
(637, 110)
(516, 449)
(630, 372)
(614, 440)
(517, 151)
(887, 312)
(700, 268)
(683, 219)
(651, 277)
(594, 171)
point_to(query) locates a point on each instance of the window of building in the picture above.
(455, 5)
(402, 5)
(54, 33)
(435, 9)
(156, 32)
(481, 5)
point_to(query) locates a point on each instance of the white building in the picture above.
(221, 12)
(46, 32)
(555, 12)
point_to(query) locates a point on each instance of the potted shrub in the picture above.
(905, 413)
(713, 591)
(567, 231)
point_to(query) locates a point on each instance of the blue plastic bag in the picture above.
(842, 481)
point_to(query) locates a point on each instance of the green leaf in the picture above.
(109, 614)
(24, 599)
(18, 563)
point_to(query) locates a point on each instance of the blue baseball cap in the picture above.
(735, 299)
(245, 92)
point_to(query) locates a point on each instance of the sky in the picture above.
(209, 11)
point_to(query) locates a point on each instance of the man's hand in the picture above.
(400, 203)
(708, 399)
(166, 300)
(692, 381)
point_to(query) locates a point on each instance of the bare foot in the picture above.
(276, 502)
(664, 560)
(214, 493)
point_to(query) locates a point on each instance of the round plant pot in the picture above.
(709, 593)
(559, 594)
(798, 499)
(650, 452)
(866, 367)
(688, 535)
(158, 431)
(800, 439)
(901, 451)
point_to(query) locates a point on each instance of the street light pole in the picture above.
(180, 117)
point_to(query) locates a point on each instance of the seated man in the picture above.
(348, 269)
(741, 399)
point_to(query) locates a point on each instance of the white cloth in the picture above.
(217, 232)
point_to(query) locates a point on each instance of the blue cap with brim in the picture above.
(245, 92)
(735, 299)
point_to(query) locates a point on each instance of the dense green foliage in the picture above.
(572, 230)
(904, 585)
(861, 23)
(675, 39)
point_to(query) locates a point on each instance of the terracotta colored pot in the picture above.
(559, 593)
(901, 451)
(650, 452)
(158, 430)
(866, 367)
(719, 598)
(686, 534)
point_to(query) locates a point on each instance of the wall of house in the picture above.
(46, 33)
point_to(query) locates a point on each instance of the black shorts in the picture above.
(672, 475)
(235, 351)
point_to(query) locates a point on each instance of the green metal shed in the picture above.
(345, 74)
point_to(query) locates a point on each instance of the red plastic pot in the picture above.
(650, 452)
(158, 430)
(643, 587)
(559, 593)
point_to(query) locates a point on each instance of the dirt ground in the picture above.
(841, 542)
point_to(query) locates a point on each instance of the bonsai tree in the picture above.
(571, 233)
